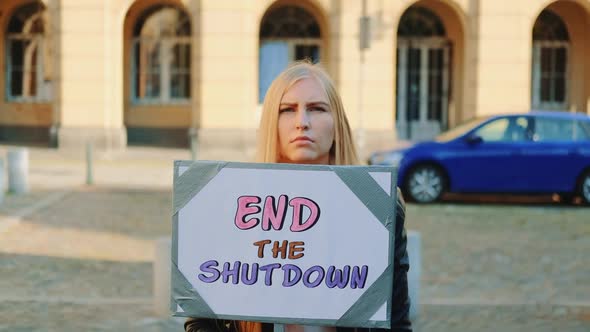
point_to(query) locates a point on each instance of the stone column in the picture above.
(227, 57)
(501, 58)
(375, 109)
(88, 74)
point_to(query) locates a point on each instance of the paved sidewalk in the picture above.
(76, 257)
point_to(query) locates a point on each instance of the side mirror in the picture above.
(473, 139)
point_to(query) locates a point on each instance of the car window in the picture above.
(511, 129)
(460, 130)
(553, 130)
(582, 131)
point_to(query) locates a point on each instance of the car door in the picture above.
(556, 154)
(487, 158)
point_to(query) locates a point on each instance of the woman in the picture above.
(303, 122)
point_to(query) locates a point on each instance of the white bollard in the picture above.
(162, 270)
(415, 255)
(193, 142)
(18, 170)
(2, 189)
(89, 166)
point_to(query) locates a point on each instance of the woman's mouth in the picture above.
(302, 139)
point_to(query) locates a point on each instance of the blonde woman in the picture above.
(303, 122)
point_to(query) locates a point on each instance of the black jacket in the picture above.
(400, 307)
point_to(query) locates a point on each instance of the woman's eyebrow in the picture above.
(318, 103)
(313, 103)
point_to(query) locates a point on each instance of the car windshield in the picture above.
(460, 130)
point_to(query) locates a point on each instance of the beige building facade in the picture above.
(119, 72)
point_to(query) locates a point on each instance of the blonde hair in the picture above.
(343, 151)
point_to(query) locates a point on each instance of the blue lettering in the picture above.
(318, 280)
(359, 277)
(337, 277)
(209, 267)
(253, 278)
(234, 273)
(289, 281)
(268, 269)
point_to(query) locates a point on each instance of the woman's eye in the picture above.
(286, 109)
(318, 109)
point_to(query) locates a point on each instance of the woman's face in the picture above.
(306, 124)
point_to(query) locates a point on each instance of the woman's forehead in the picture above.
(307, 89)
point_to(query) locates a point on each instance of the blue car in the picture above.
(529, 153)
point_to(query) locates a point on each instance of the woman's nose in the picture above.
(302, 119)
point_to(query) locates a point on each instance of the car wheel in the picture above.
(425, 184)
(584, 189)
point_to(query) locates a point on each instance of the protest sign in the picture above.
(283, 243)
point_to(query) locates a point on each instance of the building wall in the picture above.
(490, 68)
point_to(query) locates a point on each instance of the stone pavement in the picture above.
(76, 257)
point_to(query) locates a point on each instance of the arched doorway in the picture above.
(551, 49)
(287, 33)
(560, 66)
(423, 74)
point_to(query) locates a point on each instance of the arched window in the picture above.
(162, 56)
(28, 69)
(549, 26)
(287, 33)
(550, 62)
(420, 22)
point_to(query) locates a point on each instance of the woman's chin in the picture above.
(308, 158)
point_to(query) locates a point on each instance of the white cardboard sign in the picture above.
(294, 244)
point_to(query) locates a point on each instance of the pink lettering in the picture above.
(298, 203)
(244, 210)
(274, 213)
(274, 216)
